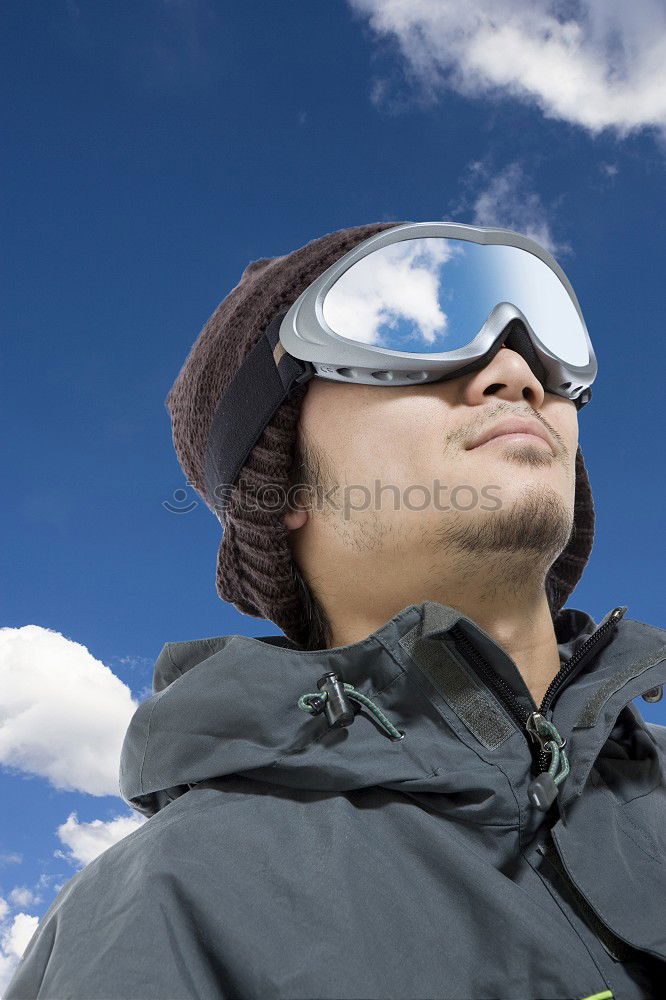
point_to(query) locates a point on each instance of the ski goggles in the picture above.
(421, 302)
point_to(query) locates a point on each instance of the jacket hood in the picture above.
(228, 705)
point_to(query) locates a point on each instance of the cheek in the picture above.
(562, 416)
(393, 438)
(319, 416)
(373, 443)
(342, 425)
(400, 437)
(565, 421)
(570, 433)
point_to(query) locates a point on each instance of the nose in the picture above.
(507, 376)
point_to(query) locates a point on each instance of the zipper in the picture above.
(534, 725)
(616, 947)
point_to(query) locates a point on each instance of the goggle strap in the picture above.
(259, 386)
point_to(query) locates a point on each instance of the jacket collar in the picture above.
(228, 705)
(586, 708)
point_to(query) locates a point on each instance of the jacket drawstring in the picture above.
(333, 699)
(334, 696)
(543, 789)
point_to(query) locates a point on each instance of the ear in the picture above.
(293, 519)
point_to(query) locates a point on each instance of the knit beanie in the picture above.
(254, 560)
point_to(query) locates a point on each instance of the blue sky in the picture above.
(152, 149)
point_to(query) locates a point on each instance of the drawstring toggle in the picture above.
(336, 701)
(338, 708)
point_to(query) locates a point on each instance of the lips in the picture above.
(514, 425)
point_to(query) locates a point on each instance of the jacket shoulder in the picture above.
(120, 928)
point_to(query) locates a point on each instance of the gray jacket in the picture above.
(375, 835)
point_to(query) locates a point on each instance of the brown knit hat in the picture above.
(254, 561)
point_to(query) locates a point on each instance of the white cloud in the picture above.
(22, 928)
(399, 283)
(63, 717)
(86, 841)
(63, 713)
(14, 938)
(600, 65)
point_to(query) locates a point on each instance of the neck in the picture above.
(513, 612)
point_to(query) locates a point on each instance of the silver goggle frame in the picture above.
(305, 334)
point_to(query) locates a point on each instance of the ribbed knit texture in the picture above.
(254, 559)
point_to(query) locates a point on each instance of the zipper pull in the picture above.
(613, 616)
(543, 789)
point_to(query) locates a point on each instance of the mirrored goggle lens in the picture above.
(433, 294)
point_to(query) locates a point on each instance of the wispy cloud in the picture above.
(167, 51)
(506, 199)
(11, 859)
(20, 895)
(602, 64)
(132, 661)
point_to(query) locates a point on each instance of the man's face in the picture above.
(510, 494)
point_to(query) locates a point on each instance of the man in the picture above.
(436, 783)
